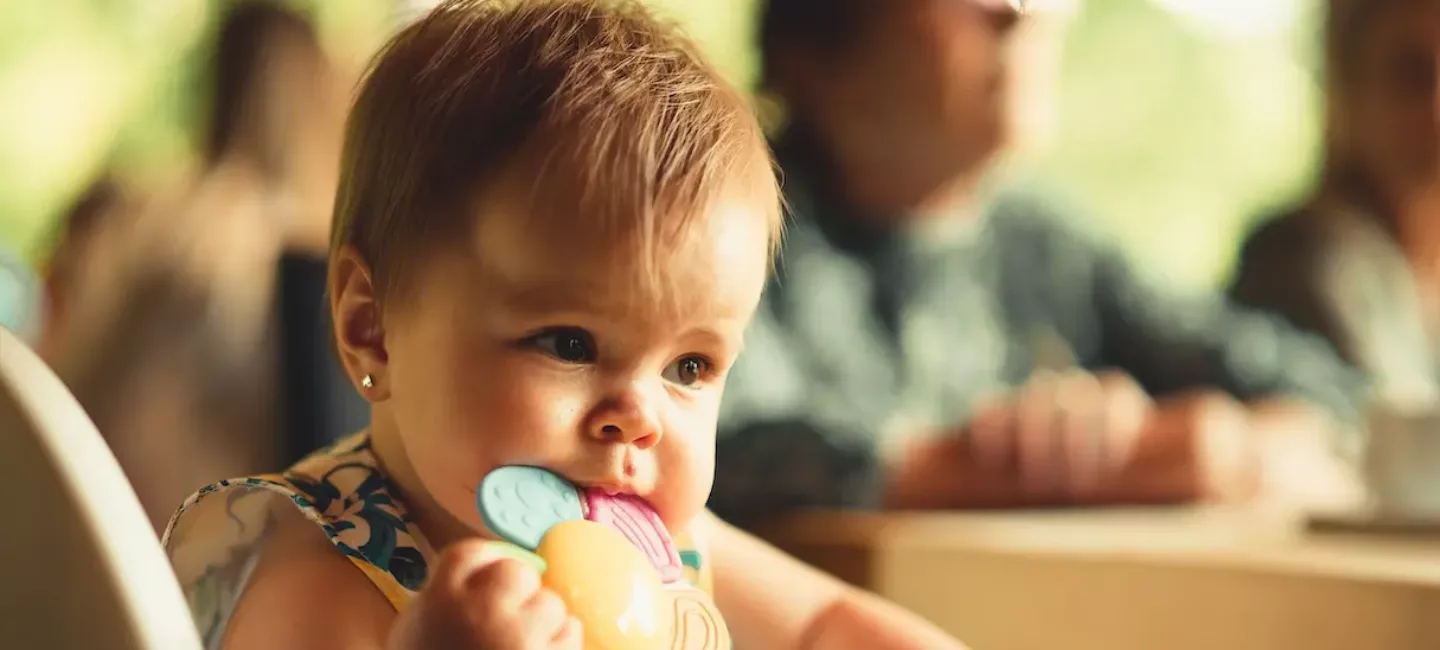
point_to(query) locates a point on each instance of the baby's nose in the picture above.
(628, 418)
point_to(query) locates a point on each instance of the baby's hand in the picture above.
(477, 599)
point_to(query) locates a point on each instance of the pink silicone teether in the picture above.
(638, 522)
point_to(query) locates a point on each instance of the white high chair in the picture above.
(80, 566)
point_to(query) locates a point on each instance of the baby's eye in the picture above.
(568, 344)
(686, 371)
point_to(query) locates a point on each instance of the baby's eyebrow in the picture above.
(714, 331)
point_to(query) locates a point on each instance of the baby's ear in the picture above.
(359, 331)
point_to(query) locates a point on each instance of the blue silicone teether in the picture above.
(521, 503)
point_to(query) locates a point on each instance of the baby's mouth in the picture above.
(608, 489)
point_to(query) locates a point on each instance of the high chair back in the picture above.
(82, 567)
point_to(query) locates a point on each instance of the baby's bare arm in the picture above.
(771, 600)
(306, 595)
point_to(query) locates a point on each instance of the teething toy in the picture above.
(609, 556)
(637, 522)
(620, 601)
(697, 622)
(521, 503)
(514, 552)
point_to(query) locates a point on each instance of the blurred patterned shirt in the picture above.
(868, 332)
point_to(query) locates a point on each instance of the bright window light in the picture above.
(1237, 18)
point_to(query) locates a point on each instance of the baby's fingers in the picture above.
(458, 564)
(544, 615)
(571, 636)
(505, 584)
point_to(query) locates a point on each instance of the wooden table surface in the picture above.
(1170, 579)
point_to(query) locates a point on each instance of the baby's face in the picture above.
(538, 345)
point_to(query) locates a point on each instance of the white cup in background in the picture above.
(1402, 462)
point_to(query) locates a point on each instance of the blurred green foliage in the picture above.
(1171, 135)
(1177, 136)
(93, 84)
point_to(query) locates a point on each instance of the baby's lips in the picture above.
(634, 518)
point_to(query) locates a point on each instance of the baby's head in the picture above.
(553, 226)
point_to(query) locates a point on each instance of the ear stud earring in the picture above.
(367, 382)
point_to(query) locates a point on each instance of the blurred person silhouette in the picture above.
(167, 295)
(935, 338)
(59, 274)
(1359, 260)
(75, 270)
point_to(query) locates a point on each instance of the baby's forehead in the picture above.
(519, 230)
(700, 264)
(517, 241)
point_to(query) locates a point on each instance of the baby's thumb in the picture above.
(461, 560)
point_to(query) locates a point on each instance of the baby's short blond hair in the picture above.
(627, 129)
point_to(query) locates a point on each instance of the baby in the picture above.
(553, 225)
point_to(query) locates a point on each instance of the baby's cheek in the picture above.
(448, 454)
(686, 469)
(528, 426)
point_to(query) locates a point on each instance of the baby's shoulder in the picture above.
(303, 594)
(324, 551)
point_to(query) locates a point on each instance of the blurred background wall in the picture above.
(1175, 122)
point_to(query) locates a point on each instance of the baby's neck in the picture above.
(438, 527)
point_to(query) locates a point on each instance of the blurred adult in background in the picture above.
(1359, 260)
(165, 296)
(73, 246)
(936, 340)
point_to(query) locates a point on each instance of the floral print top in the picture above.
(215, 539)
